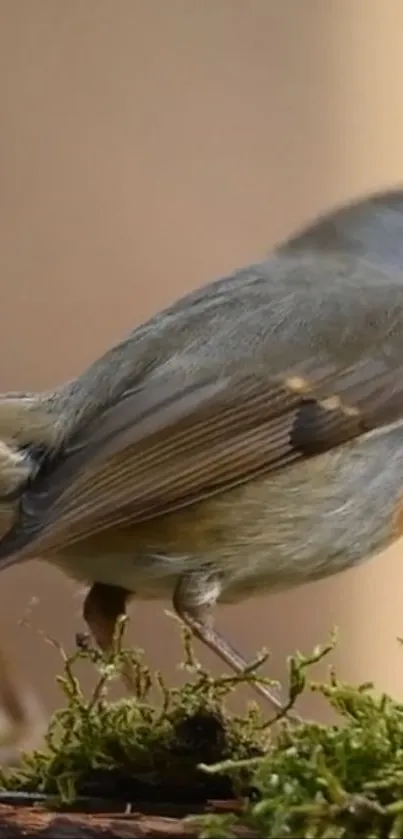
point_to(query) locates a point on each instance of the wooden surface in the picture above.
(34, 823)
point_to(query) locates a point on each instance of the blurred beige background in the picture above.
(146, 148)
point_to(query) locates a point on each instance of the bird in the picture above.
(246, 439)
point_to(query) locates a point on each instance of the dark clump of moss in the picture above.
(307, 780)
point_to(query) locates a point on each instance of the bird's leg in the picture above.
(102, 608)
(25, 719)
(193, 601)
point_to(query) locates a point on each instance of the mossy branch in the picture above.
(312, 780)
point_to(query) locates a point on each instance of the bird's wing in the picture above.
(177, 442)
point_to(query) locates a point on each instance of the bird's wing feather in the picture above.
(178, 442)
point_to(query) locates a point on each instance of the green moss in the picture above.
(138, 747)
(308, 781)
